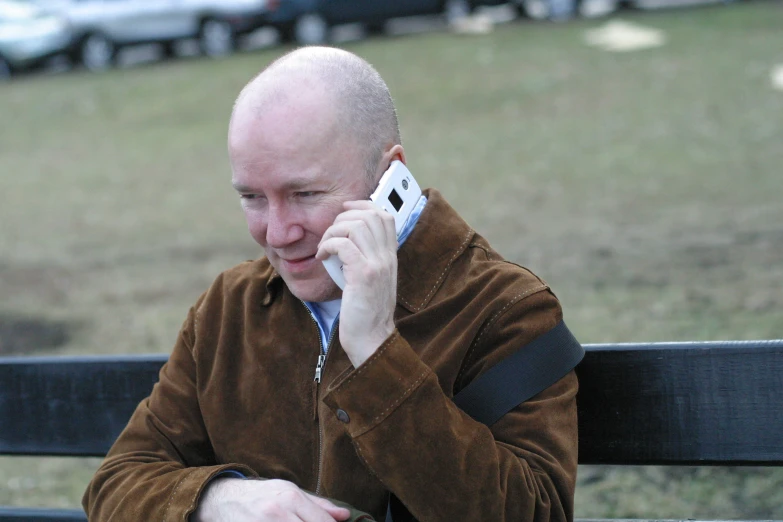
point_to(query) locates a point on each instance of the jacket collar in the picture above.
(438, 239)
(440, 236)
(274, 281)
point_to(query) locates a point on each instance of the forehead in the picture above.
(289, 147)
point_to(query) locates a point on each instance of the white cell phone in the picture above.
(397, 193)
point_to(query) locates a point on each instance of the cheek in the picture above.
(323, 216)
(315, 219)
(321, 221)
(256, 225)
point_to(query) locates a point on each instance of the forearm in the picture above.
(445, 466)
(145, 477)
(129, 490)
(160, 463)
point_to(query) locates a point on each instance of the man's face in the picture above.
(293, 169)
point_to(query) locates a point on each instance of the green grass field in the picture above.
(644, 187)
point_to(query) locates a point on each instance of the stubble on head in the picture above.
(314, 111)
(360, 98)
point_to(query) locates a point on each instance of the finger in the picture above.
(341, 247)
(288, 507)
(341, 228)
(364, 204)
(310, 511)
(374, 217)
(387, 219)
(360, 234)
(390, 227)
(359, 204)
(339, 513)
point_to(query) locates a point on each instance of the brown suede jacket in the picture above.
(238, 392)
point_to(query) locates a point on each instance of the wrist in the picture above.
(206, 510)
(368, 347)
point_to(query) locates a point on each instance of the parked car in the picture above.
(565, 9)
(102, 27)
(309, 22)
(28, 36)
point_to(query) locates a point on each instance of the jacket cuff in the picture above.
(185, 496)
(229, 473)
(365, 396)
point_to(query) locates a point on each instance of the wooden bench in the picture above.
(705, 403)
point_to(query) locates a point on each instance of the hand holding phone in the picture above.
(397, 193)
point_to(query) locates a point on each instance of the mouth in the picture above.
(298, 259)
(298, 264)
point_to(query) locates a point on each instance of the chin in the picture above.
(315, 290)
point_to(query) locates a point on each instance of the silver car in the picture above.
(102, 27)
(28, 36)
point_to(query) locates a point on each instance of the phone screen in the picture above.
(395, 200)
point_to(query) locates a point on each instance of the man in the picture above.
(265, 383)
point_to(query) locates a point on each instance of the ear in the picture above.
(395, 153)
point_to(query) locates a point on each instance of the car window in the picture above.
(11, 10)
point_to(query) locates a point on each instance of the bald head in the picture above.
(361, 105)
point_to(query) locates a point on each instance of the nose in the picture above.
(283, 226)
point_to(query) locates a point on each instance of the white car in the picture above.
(28, 36)
(102, 27)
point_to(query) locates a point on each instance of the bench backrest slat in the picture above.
(660, 403)
(73, 406)
(682, 404)
(14, 514)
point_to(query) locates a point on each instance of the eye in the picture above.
(305, 194)
(252, 199)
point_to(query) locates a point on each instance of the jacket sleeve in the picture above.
(146, 474)
(422, 447)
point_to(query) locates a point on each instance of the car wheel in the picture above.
(169, 50)
(5, 70)
(375, 28)
(97, 52)
(311, 29)
(533, 9)
(456, 9)
(217, 38)
(286, 32)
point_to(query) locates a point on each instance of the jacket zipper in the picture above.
(319, 369)
(318, 372)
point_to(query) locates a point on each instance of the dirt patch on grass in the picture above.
(44, 287)
(47, 284)
(117, 300)
(27, 335)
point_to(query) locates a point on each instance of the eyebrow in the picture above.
(240, 187)
(292, 184)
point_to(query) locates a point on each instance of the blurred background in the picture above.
(630, 153)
